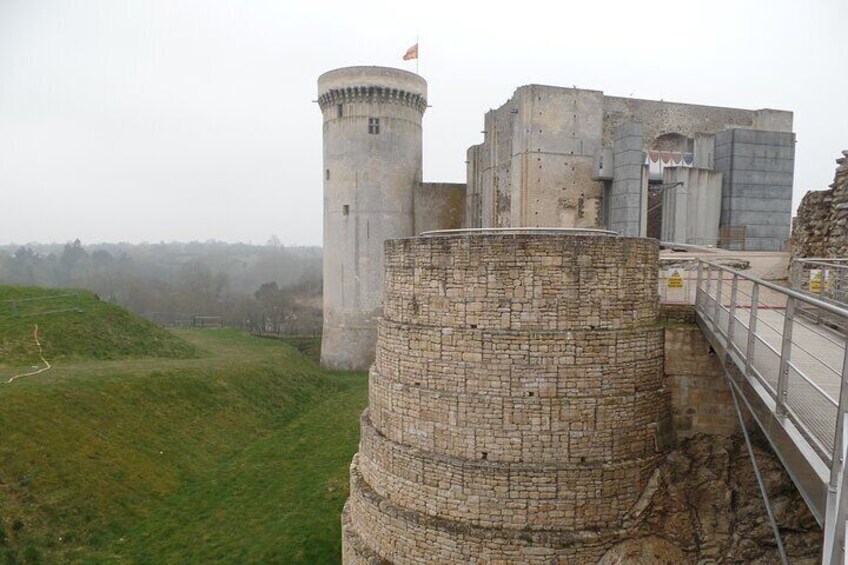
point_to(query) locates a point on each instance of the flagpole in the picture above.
(418, 58)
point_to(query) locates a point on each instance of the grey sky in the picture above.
(153, 120)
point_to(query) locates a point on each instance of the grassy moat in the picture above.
(218, 447)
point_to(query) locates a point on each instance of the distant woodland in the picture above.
(260, 288)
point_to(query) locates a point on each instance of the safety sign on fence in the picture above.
(675, 286)
(818, 280)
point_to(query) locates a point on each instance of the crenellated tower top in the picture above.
(372, 84)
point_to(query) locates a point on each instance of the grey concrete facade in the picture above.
(691, 209)
(628, 196)
(538, 164)
(372, 166)
(756, 195)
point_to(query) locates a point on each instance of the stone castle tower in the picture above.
(372, 165)
(551, 157)
(517, 407)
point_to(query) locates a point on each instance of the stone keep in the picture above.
(372, 165)
(516, 404)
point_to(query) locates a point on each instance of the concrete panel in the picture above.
(762, 231)
(757, 169)
(691, 212)
(748, 218)
(762, 151)
(772, 164)
(767, 177)
(761, 204)
(627, 185)
(759, 137)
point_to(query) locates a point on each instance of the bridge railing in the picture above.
(799, 366)
(826, 279)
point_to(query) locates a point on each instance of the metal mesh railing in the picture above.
(773, 334)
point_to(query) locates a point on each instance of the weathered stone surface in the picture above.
(820, 229)
(517, 404)
(709, 505)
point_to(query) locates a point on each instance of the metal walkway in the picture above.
(787, 360)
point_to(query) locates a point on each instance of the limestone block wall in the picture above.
(517, 409)
(821, 227)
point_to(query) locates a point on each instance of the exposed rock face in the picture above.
(708, 506)
(821, 227)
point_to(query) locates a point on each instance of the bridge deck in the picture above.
(784, 356)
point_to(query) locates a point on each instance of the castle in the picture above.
(550, 157)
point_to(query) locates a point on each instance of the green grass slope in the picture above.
(76, 324)
(237, 456)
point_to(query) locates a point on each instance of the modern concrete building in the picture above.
(550, 157)
(568, 157)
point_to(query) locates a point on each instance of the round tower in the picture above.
(517, 408)
(372, 163)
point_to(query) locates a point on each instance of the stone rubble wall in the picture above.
(517, 408)
(821, 227)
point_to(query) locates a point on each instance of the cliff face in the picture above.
(821, 227)
(704, 506)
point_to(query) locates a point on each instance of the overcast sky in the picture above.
(151, 120)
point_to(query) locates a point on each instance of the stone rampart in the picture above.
(517, 409)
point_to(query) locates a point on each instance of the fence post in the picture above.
(716, 318)
(731, 323)
(707, 291)
(698, 285)
(752, 330)
(785, 352)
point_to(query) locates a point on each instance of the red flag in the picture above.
(411, 53)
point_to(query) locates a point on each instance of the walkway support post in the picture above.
(752, 331)
(785, 352)
(731, 323)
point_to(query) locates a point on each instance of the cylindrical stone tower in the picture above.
(516, 405)
(372, 163)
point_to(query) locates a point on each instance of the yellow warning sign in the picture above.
(675, 279)
(816, 280)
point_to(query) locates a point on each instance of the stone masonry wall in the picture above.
(821, 226)
(517, 408)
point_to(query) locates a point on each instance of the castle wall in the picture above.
(659, 117)
(439, 206)
(516, 404)
(370, 171)
(536, 163)
(821, 228)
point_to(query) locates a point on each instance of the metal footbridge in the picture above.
(785, 354)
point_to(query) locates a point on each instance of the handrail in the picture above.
(833, 309)
(827, 264)
(791, 379)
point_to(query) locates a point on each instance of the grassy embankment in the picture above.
(143, 446)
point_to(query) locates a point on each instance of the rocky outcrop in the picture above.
(821, 227)
(707, 508)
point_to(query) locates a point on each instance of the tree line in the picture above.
(260, 288)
